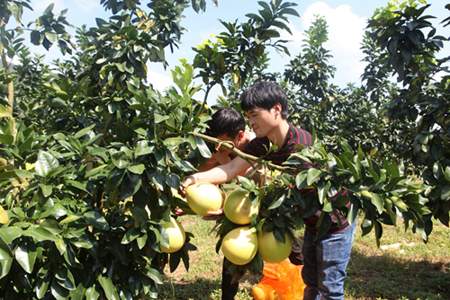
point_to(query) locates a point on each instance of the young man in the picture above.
(325, 259)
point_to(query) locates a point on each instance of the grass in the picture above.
(402, 268)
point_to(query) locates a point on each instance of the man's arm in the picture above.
(217, 158)
(219, 174)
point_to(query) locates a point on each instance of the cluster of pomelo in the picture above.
(241, 244)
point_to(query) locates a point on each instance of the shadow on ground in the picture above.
(388, 277)
(201, 289)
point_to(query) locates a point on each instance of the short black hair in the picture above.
(264, 94)
(226, 121)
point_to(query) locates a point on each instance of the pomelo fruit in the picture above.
(204, 197)
(239, 208)
(271, 249)
(174, 233)
(240, 245)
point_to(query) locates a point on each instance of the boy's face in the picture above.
(262, 121)
(238, 141)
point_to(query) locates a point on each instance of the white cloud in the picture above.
(88, 5)
(159, 80)
(345, 33)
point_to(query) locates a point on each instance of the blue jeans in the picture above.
(325, 262)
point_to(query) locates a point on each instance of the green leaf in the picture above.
(77, 184)
(25, 255)
(59, 292)
(83, 131)
(92, 294)
(78, 293)
(323, 191)
(154, 275)
(41, 287)
(313, 176)
(202, 147)
(5, 259)
(70, 258)
(52, 226)
(45, 163)
(69, 219)
(6, 139)
(366, 226)
(378, 232)
(289, 11)
(119, 161)
(300, 180)
(141, 241)
(65, 279)
(49, 9)
(91, 174)
(137, 169)
(9, 234)
(51, 36)
(108, 287)
(83, 243)
(130, 236)
(40, 234)
(159, 118)
(447, 173)
(376, 200)
(46, 189)
(61, 246)
(142, 148)
(277, 203)
(36, 37)
(98, 221)
(5, 267)
(173, 141)
(445, 192)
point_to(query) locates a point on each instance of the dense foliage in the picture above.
(91, 155)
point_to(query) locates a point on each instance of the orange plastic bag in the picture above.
(281, 281)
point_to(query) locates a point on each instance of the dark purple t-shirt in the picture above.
(296, 136)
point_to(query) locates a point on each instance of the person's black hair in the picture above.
(226, 121)
(264, 94)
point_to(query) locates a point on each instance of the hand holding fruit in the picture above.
(188, 181)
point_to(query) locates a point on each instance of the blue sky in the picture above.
(346, 20)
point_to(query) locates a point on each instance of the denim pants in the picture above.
(325, 263)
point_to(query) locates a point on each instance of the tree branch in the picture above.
(250, 158)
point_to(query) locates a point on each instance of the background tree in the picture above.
(236, 55)
(410, 45)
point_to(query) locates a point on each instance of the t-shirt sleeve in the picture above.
(257, 147)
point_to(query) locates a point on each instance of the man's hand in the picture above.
(213, 215)
(190, 180)
(179, 212)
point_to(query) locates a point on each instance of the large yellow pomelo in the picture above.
(271, 249)
(173, 232)
(240, 245)
(204, 197)
(239, 208)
